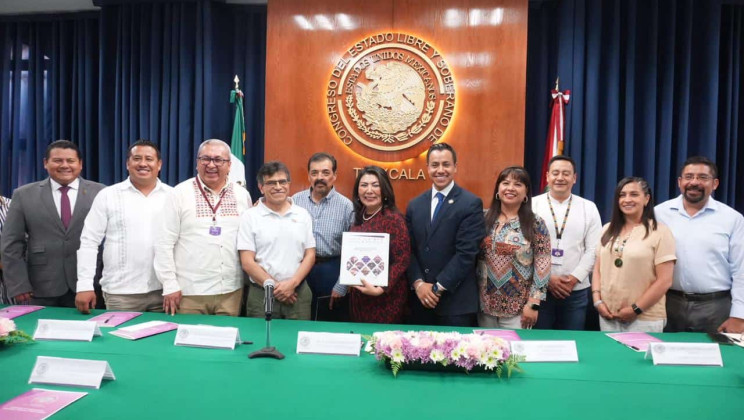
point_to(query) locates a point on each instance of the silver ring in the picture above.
(426, 301)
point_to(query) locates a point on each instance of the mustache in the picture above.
(320, 181)
(694, 188)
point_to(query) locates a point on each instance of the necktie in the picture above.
(439, 197)
(65, 210)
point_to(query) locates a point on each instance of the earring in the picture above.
(497, 197)
(525, 199)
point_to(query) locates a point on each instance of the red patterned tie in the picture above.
(65, 210)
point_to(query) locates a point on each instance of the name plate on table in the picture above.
(207, 336)
(55, 329)
(695, 354)
(329, 343)
(70, 372)
(546, 351)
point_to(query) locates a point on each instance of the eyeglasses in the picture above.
(280, 183)
(699, 177)
(218, 161)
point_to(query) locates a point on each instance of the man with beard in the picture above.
(708, 289)
(332, 214)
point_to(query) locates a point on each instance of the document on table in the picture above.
(145, 329)
(637, 341)
(694, 354)
(72, 372)
(329, 343)
(57, 329)
(546, 351)
(508, 335)
(38, 404)
(114, 319)
(207, 336)
(18, 310)
(365, 256)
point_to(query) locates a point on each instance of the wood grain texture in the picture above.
(483, 41)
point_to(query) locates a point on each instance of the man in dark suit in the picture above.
(446, 226)
(41, 234)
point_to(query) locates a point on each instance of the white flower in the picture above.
(397, 356)
(436, 355)
(6, 326)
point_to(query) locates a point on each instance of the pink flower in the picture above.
(6, 327)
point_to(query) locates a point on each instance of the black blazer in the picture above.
(446, 250)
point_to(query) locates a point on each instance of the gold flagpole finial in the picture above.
(557, 79)
(237, 81)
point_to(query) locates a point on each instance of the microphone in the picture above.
(269, 297)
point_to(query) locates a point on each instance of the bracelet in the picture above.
(597, 303)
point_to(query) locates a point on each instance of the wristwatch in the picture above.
(636, 309)
(435, 289)
(535, 306)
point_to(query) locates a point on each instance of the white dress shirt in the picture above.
(187, 256)
(123, 219)
(71, 194)
(580, 236)
(279, 240)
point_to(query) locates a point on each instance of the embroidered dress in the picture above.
(511, 269)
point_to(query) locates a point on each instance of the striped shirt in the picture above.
(4, 204)
(332, 216)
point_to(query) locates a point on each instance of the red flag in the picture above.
(554, 143)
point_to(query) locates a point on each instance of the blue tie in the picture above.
(439, 197)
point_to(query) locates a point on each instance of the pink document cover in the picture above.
(38, 404)
(508, 335)
(113, 319)
(136, 334)
(17, 310)
(637, 341)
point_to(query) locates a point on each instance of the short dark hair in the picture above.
(562, 157)
(700, 160)
(143, 143)
(62, 144)
(440, 147)
(387, 194)
(319, 157)
(269, 169)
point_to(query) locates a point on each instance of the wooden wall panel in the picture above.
(483, 41)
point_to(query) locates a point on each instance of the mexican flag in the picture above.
(237, 143)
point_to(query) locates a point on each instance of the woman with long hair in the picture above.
(375, 211)
(514, 263)
(635, 262)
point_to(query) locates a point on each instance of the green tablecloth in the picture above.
(157, 380)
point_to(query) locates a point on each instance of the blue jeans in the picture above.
(564, 314)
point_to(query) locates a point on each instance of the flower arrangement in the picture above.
(466, 351)
(10, 335)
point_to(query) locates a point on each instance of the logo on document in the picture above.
(390, 92)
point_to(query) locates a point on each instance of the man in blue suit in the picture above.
(446, 225)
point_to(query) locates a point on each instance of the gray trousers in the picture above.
(685, 315)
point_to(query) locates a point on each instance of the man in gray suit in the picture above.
(41, 234)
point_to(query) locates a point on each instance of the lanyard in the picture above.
(559, 232)
(216, 206)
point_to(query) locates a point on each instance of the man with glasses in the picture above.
(195, 255)
(276, 242)
(708, 289)
(332, 215)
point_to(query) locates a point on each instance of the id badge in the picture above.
(215, 230)
(556, 256)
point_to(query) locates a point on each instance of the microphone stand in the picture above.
(269, 350)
